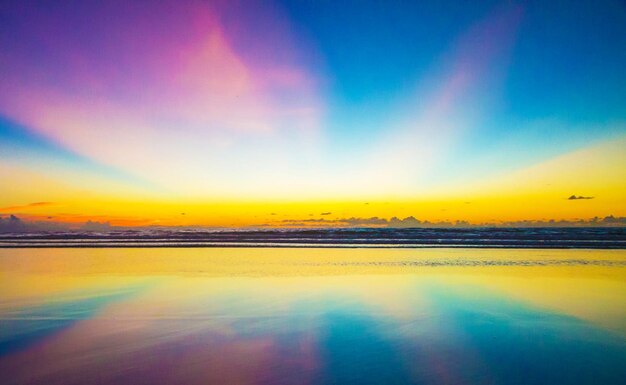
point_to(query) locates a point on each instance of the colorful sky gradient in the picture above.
(312, 113)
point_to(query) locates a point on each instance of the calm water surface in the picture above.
(312, 316)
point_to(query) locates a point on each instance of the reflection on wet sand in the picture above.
(261, 316)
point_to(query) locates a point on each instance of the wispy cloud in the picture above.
(26, 207)
(178, 77)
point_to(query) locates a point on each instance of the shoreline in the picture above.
(306, 246)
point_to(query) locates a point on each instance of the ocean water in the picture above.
(312, 316)
(521, 237)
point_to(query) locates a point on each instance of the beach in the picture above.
(312, 315)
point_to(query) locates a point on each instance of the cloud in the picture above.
(372, 221)
(394, 222)
(420, 137)
(574, 197)
(326, 213)
(406, 222)
(614, 220)
(96, 226)
(26, 207)
(184, 77)
(15, 225)
(341, 222)
(12, 224)
(412, 222)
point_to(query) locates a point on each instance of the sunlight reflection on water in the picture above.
(309, 316)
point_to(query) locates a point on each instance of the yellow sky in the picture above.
(539, 192)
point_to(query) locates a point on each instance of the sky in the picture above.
(312, 113)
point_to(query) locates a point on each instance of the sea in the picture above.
(314, 306)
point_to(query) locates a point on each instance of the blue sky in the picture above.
(307, 100)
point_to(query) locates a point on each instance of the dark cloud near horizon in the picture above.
(15, 225)
(578, 197)
(349, 222)
(96, 226)
(412, 222)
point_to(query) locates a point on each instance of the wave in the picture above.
(594, 238)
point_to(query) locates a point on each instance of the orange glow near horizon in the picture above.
(544, 187)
